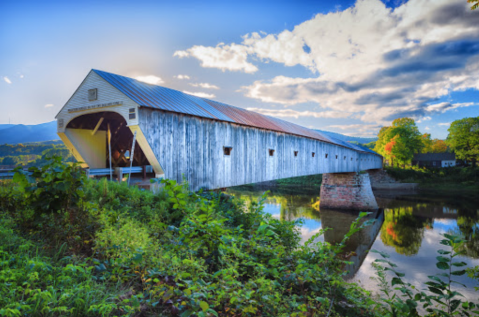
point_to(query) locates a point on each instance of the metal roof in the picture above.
(434, 157)
(162, 98)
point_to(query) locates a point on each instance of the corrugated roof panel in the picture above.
(243, 116)
(167, 99)
(158, 97)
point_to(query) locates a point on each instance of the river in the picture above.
(408, 227)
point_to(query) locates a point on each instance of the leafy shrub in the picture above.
(402, 299)
(123, 238)
(450, 175)
(33, 284)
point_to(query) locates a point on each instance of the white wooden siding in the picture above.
(192, 148)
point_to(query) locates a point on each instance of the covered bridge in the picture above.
(181, 136)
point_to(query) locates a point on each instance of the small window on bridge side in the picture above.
(336, 157)
(313, 153)
(132, 113)
(295, 153)
(227, 150)
(326, 156)
(344, 157)
(357, 159)
(271, 152)
(351, 159)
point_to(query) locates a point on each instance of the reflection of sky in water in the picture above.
(273, 209)
(419, 266)
(444, 225)
(309, 227)
(431, 218)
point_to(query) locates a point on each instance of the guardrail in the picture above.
(8, 173)
(91, 172)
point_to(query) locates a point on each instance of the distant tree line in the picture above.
(33, 154)
(399, 142)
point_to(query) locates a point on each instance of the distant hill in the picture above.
(4, 126)
(20, 133)
(347, 138)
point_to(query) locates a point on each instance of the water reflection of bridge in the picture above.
(402, 226)
(360, 243)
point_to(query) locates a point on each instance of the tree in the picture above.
(427, 143)
(407, 141)
(438, 146)
(10, 160)
(475, 5)
(370, 145)
(463, 139)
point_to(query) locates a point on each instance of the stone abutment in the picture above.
(348, 191)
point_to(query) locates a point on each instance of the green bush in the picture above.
(34, 284)
(447, 176)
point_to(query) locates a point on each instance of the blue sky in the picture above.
(344, 66)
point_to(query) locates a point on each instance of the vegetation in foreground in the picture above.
(75, 247)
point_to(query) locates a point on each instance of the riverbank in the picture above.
(459, 180)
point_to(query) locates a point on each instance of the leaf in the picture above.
(100, 268)
(443, 252)
(459, 264)
(445, 242)
(396, 280)
(458, 273)
(137, 258)
(212, 312)
(435, 290)
(383, 254)
(442, 265)
(412, 304)
(204, 306)
(442, 259)
(435, 278)
(386, 261)
(454, 304)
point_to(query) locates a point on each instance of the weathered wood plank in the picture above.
(191, 146)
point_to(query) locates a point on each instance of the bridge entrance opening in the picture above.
(99, 137)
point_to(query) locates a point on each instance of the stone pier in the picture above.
(348, 191)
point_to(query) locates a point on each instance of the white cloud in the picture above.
(205, 85)
(446, 106)
(181, 54)
(183, 77)
(289, 113)
(7, 80)
(370, 60)
(150, 79)
(427, 128)
(444, 124)
(49, 105)
(200, 94)
(225, 57)
(423, 119)
(357, 129)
